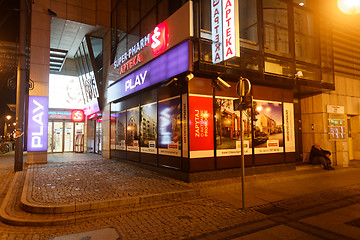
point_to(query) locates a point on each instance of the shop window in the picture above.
(276, 31)
(206, 15)
(268, 127)
(170, 126)
(148, 129)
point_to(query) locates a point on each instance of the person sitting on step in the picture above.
(319, 155)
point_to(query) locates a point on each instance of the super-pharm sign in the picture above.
(225, 30)
(158, 41)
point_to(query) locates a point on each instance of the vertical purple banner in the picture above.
(37, 124)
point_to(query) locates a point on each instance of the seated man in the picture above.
(318, 155)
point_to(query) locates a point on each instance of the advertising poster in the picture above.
(268, 127)
(227, 124)
(201, 126)
(148, 128)
(289, 127)
(170, 127)
(120, 136)
(132, 129)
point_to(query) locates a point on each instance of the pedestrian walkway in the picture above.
(92, 188)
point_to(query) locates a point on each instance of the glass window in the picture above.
(248, 23)
(148, 23)
(278, 66)
(163, 11)
(133, 13)
(304, 36)
(276, 31)
(146, 5)
(205, 15)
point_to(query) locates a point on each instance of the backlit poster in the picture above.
(227, 125)
(201, 126)
(170, 127)
(148, 128)
(289, 129)
(268, 127)
(132, 129)
(120, 137)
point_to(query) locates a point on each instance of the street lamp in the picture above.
(350, 7)
(8, 117)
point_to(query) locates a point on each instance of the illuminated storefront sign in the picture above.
(37, 123)
(216, 20)
(59, 114)
(201, 126)
(162, 38)
(225, 30)
(77, 115)
(173, 62)
(158, 41)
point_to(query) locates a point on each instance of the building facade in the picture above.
(160, 89)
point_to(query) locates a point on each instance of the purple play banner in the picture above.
(167, 65)
(37, 124)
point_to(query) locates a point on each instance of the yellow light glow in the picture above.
(259, 108)
(8, 117)
(349, 6)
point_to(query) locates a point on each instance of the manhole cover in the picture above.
(100, 234)
(269, 210)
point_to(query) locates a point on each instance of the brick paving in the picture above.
(193, 217)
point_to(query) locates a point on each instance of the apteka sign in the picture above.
(225, 30)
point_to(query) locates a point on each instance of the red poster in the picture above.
(201, 126)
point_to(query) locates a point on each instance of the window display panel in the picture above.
(148, 128)
(132, 129)
(268, 127)
(227, 125)
(120, 137)
(170, 126)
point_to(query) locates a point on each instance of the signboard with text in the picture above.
(37, 124)
(169, 64)
(225, 30)
(201, 126)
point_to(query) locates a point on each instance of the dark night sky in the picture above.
(9, 32)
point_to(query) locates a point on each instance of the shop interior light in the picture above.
(299, 74)
(189, 76)
(222, 83)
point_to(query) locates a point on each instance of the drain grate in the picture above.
(355, 223)
(270, 210)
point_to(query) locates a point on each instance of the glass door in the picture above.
(58, 137)
(69, 137)
(50, 136)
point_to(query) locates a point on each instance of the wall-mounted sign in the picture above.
(337, 126)
(77, 115)
(225, 30)
(335, 109)
(169, 64)
(37, 123)
(53, 114)
(164, 36)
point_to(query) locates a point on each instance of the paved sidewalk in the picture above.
(93, 193)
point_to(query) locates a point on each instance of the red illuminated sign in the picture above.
(201, 126)
(159, 39)
(77, 115)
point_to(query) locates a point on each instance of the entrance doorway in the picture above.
(61, 135)
(350, 139)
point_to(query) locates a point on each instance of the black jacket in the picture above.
(317, 153)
